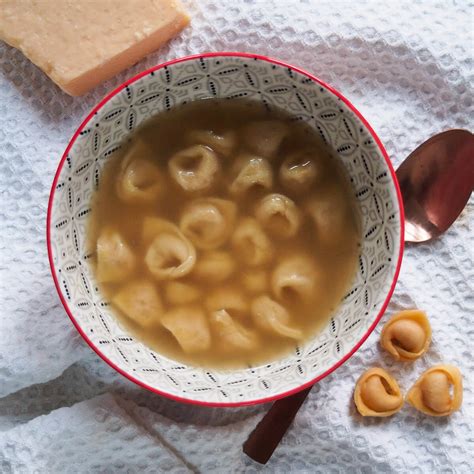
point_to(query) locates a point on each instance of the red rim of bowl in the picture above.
(260, 400)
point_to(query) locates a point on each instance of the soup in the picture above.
(226, 234)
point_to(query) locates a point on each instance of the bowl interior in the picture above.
(103, 133)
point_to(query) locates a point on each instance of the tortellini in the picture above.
(178, 292)
(264, 137)
(115, 259)
(188, 324)
(214, 266)
(208, 222)
(299, 171)
(205, 242)
(377, 394)
(194, 168)
(329, 213)
(170, 254)
(406, 335)
(272, 317)
(252, 174)
(255, 280)
(294, 279)
(140, 181)
(230, 298)
(222, 143)
(230, 334)
(141, 302)
(279, 215)
(431, 393)
(251, 244)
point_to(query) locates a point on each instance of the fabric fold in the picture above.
(96, 435)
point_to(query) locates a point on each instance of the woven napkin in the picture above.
(408, 69)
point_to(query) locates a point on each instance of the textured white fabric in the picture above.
(89, 437)
(407, 66)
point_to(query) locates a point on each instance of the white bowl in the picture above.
(232, 75)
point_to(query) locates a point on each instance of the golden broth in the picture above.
(311, 231)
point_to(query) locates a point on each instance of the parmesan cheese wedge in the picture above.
(81, 43)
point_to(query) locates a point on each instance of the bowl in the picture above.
(233, 76)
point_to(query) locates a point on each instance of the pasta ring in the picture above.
(407, 335)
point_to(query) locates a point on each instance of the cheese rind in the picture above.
(81, 43)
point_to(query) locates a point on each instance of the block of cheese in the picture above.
(81, 43)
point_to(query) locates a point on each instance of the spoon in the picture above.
(436, 181)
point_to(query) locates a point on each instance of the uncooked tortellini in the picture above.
(194, 168)
(299, 171)
(141, 302)
(252, 174)
(223, 143)
(115, 259)
(438, 391)
(251, 244)
(377, 394)
(230, 334)
(208, 222)
(279, 215)
(272, 317)
(188, 324)
(406, 335)
(170, 254)
(264, 137)
(214, 266)
(139, 181)
(294, 279)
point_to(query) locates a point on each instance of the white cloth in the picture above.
(407, 66)
(88, 437)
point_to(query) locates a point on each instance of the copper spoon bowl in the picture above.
(436, 181)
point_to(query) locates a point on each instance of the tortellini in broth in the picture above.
(299, 171)
(214, 266)
(279, 215)
(251, 244)
(215, 234)
(271, 316)
(265, 137)
(170, 254)
(253, 174)
(222, 143)
(115, 259)
(295, 279)
(179, 292)
(231, 299)
(189, 325)
(194, 168)
(332, 217)
(255, 281)
(141, 302)
(140, 181)
(231, 334)
(208, 222)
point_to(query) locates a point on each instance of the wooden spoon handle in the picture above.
(268, 433)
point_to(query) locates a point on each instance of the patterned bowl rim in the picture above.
(193, 57)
